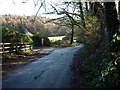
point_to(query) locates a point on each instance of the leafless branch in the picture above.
(63, 11)
(38, 10)
(71, 18)
(36, 3)
(13, 2)
(55, 9)
(51, 20)
(24, 1)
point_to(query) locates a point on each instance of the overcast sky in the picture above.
(16, 7)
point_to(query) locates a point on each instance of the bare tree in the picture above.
(74, 13)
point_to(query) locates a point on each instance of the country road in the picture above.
(51, 71)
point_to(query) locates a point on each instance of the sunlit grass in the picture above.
(56, 38)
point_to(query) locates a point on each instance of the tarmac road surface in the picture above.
(51, 71)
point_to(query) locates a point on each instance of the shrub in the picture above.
(46, 41)
(10, 35)
(37, 39)
(26, 38)
(66, 38)
(40, 40)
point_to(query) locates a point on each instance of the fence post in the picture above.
(16, 45)
(3, 47)
(30, 47)
(42, 41)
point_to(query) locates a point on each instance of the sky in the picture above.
(16, 7)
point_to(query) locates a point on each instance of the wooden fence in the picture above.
(16, 47)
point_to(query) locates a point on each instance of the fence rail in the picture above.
(14, 47)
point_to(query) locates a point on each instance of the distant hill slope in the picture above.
(26, 24)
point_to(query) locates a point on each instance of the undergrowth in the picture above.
(98, 67)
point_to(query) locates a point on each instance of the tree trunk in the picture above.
(119, 8)
(86, 5)
(72, 34)
(82, 16)
(72, 27)
(112, 23)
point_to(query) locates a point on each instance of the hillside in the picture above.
(27, 24)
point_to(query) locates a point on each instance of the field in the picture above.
(56, 38)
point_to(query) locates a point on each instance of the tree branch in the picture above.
(24, 1)
(13, 2)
